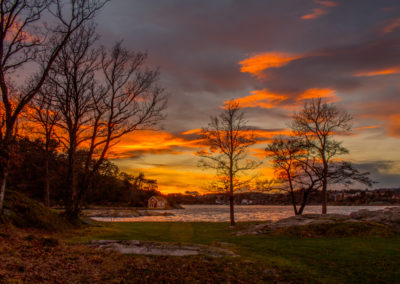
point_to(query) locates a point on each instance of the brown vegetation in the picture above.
(30, 256)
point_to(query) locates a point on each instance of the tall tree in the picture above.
(228, 139)
(130, 101)
(72, 78)
(101, 96)
(23, 36)
(317, 123)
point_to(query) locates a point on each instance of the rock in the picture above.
(153, 248)
(360, 214)
(388, 216)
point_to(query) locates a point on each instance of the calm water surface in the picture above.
(220, 213)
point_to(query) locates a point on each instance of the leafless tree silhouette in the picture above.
(296, 169)
(23, 37)
(101, 96)
(228, 139)
(317, 123)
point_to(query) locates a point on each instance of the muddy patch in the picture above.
(154, 248)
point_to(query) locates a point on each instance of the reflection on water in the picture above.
(220, 213)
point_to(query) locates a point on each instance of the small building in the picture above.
(157, 202)
(246, 202)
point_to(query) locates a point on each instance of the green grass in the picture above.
(324, 259)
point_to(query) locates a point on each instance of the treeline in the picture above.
(342, 197)
(109, 186)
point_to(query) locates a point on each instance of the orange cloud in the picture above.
(319, 11)
(256, 64)
(261, 98)
(327, 3)
(192, 131)
(319, 93)
(388, 71)
(265, 99)
(391, 26)
(367, 127)
(315, 13)
(150, 141)
(264, 135)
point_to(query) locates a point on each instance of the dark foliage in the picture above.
(109, 186)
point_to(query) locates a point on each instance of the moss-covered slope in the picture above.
(24, 212)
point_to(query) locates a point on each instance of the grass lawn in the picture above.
(327, 260)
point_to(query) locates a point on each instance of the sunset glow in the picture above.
(271, 59)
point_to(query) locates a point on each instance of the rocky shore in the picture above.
(388, 217)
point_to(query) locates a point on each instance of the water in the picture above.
(220, 213)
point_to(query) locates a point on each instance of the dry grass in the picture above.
(30, 256)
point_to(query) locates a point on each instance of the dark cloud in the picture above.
(381, 172)
(198, 46)
(335, 67)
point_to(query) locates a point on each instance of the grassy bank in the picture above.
(39, 246)
(330, 260)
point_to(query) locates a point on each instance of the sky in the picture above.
(270, 56)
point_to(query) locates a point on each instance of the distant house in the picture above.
(157, 202)
(246, 202)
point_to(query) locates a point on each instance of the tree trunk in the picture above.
(47, 182)
(5, 159)
(3, 187)
(294, 202)
(324, 185)
(73, 209)
(324, 195)
(232, 214)
(72, 191)
(303, 203)
(231, 200)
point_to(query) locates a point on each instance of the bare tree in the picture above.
(317, 123)
(295, 169)
(228, 139)
(131, 101)
(101, 96)
(299, 170)
(72, 78)
(22, 37)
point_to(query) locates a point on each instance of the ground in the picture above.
(33, 256)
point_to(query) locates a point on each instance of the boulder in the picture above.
(388, 216)
(154, 248)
